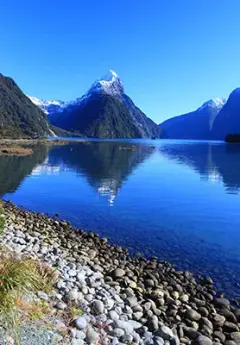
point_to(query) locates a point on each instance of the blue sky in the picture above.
(172, 55)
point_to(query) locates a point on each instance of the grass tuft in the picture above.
(74, 312)
(19, 277)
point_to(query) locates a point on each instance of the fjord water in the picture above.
(178, 200)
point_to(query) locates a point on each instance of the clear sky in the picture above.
(172, 55)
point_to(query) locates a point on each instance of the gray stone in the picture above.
(132, 301)
(43, 295)
(165, 332)
(80, 335)
(61, 305)
(206, 322)
(175, 340)
(190, 332)
(222, 303)
(219, 335)
(158, 340)
(135, 324)
(230, 342)
(235, 336)
(73, 295)
(202, 340)
(113, 315)
(91, 336)
(127, 338)
(115, 341)
(118, 332)
(218, 320)
(77, 341)
(72, 273)
(81, 322)
(230, 327)
(203, 311)
(109, 303)
(118, 273)
(125, 325)
(138, 315)
(81, 278)
(97, 307)
(153, 323)
(192, 315)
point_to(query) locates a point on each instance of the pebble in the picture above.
(91, 336)
(124, 299)
(43, 295)
(192, 315)
(118, 273)
(165, 332)
(118, 332)
(97, 307)
(202, 340)
(81, 322)
(73, 295)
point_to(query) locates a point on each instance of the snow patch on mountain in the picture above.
(216, 103)
(49, 106)
(110, 84)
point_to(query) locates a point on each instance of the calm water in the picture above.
(178, 200)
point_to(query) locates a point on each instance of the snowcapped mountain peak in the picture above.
(47, 106)
(110, 84)
(216, 103)
(110, 75)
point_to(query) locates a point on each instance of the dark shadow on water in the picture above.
(13, 169)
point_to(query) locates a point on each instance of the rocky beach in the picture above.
(102, 295)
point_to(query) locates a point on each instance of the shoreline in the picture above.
(143, 301)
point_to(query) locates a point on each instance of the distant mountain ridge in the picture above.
(228, 119)
(197, 124)
(105, 111)
(19, 117)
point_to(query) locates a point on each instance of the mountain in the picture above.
(49, 107)
(19, 117)
(105, 111)
(197, 124)
(228, 119)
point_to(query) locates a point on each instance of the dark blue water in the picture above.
(178, 200)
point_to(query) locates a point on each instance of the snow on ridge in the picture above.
(109, 84)
(216, 103)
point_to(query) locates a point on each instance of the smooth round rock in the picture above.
(202, 340)
(97, 307)
(118, 332)
(192, 315)
(118, 273)
(222, 303)
(81, 322)
(91, 336)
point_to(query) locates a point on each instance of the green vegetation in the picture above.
(104, 116)
(74, 311)
(19, 277)
(19, 117)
